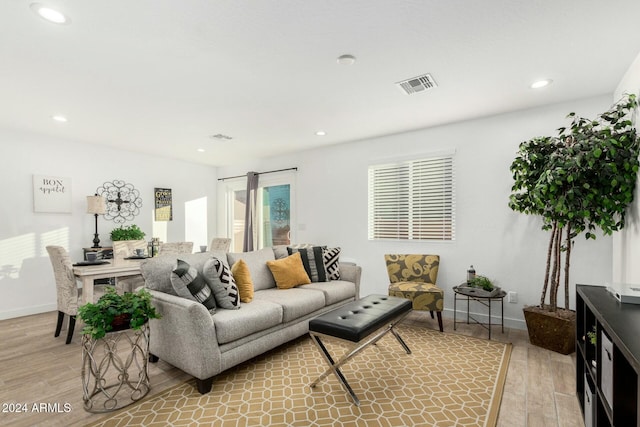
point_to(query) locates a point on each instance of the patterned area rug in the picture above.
(448, 380)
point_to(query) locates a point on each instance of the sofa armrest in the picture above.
(185, 336)
(351, 273)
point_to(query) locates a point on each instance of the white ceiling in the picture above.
(160, 76)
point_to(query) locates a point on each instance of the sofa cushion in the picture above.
(295, 302)
(334, 291)
(331, 258)
(313, 262)
(257, 263)
(220, 280)
(157, 271)
(242, 275)
(232, 325)
(289, 272)
(280, 251)
(189, 284)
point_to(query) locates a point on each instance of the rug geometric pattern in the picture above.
(448, 380)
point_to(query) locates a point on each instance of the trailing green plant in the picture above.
(98, 317)
(130, 232)
(481, 282)
(581, 180)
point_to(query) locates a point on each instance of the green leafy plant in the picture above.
(578, 181)
(592, 335)
(130, 232)
(481, 282)
(99, 317)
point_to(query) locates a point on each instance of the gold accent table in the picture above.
(115, 369)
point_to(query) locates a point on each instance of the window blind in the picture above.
(412, 200)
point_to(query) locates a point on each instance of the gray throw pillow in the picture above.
(190, 285)
(221, 281)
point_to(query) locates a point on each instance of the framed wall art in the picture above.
(164, 209)
(51, 194)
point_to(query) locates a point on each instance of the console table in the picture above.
(462, 294)
(607, 373)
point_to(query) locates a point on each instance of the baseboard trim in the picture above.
(509, 322)
(27, 311)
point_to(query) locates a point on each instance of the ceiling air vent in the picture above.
(417, 84)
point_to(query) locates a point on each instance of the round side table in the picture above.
(472, 294)
(115, 369)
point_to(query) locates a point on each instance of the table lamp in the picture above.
(96, 205)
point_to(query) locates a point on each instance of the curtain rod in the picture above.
(259, 173)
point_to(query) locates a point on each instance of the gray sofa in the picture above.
(203, 345)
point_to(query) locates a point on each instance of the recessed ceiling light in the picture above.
(48, 14)
(200, 150)
(346, 59)
(321, 133)
(59, 118)
(541, 83)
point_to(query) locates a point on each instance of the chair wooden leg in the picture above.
(440, 321)
(59, 324)
(72, 325)
(432, 314)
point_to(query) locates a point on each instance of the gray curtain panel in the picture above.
(250, 211)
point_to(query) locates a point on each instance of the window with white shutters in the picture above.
(413, 199)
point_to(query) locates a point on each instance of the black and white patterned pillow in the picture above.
(221, 281)
(190, 285)
(332, 263)
(313, 262)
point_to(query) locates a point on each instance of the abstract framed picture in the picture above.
(51, 194)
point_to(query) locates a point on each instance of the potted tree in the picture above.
(577, 182)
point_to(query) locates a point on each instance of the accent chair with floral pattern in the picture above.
(414, 277)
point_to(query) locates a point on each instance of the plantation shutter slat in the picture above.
(412, 200)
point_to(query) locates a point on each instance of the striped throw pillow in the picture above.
(190, 285)
(313, 262)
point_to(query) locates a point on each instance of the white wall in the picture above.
(501, 244)
(26, 277)
(626, 244)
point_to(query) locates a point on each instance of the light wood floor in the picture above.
(37, 368)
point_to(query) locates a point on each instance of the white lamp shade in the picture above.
(96, 205)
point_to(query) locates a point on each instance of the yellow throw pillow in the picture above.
(289, 272)
(240, 272)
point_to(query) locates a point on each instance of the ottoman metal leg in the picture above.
(334, 367)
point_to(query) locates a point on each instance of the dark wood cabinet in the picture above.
(607, 371)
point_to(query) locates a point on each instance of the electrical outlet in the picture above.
(512, 297)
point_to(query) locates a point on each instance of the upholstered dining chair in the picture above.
(414, 277)
(123, 249)
(67, 292)
(220, 244)
(175, 248)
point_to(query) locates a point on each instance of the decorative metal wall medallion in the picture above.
(123, 200)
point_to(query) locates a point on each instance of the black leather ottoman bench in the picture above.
(363, 322)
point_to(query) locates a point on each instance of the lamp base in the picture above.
(96, 237)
